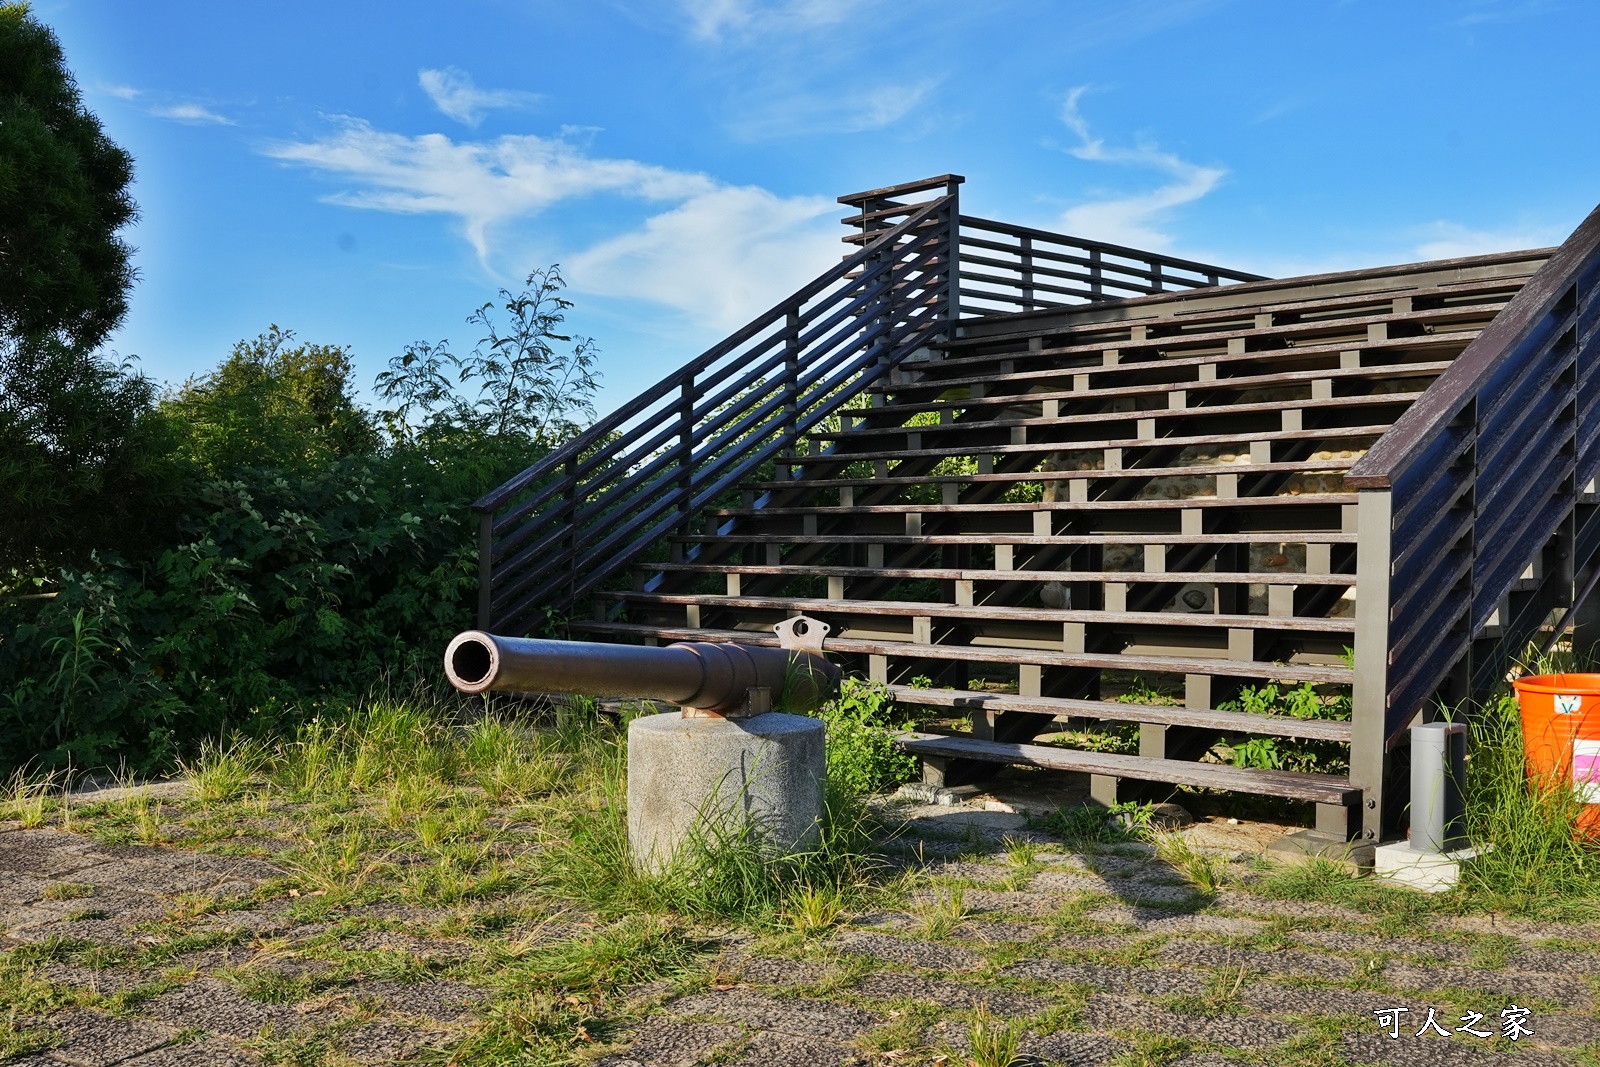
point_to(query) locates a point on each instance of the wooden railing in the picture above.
(1005, 268)
(552, 534)
(1467, 503)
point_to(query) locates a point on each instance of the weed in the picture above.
(994, 1042)
(811, 910)
(862, 757)
(945, 913)
(67, 891)
(1021, 852)
(1538, 861)
(28, 800)
(221, 772)
(1203, 870)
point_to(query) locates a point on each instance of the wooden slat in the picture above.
(1233, 668)
(1114, 711)
(823, 607)
(967, 574)
(1321, 466)
(1123, 537)
(1317, 788)
(1302, 500)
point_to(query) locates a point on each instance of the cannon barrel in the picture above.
(710, 677)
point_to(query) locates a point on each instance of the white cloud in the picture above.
(1133, 219)
(1450, 240)
(723, 256)
(121, 92)
(192, 114)
(859, 112)
(714, 20)
(717, 252)
(454, 94)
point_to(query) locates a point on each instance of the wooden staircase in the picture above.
(1020, 515)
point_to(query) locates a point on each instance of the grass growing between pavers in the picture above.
(452, 891)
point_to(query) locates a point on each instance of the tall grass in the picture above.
(1534, 858)
(724, 870)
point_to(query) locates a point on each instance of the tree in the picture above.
(272, 403)
(63, 197)
(527, 388)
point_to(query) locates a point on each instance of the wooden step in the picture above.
(1389, 371)
(968, 574)
(1267, 537)
(1295, 501)
(1087, 359)
(1162, 415)
(824, 608)
(1317, 788)
(1252, 300)
(1232, 722)
(1044, 448)
(1288, 672)
(1283, 339)
(1309, 466)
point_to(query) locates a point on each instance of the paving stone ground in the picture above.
(158, 955)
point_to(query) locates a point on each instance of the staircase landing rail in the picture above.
(1005, 268)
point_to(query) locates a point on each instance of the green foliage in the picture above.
(288, 547)
(525, 386)
(81, 458)
(63, 197)
(861, 753)
(1277, 753)
(1538, 859)
(271, 403)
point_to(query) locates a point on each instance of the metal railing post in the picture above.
(686, 398)
(485, 569)
(791, 388)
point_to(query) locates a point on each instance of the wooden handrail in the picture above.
(555, 531)
(598, 432)
(1425, 420)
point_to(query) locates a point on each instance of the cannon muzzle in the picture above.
(703, 675)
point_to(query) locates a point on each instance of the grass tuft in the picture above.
(995, 1042)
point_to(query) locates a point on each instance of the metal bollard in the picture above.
(1438, 771)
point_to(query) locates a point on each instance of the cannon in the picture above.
(726, 758)
(725, 679)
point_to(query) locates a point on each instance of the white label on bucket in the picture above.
(1568, 704)
(1586, 770)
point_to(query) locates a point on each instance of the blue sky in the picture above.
(368, 174)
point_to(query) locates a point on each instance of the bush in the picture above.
(862, 757)
(295, 549)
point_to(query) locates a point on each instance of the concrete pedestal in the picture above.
(1431, 872)
(767, 769)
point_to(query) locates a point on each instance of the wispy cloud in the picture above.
(192, 114)
(716, 252)
(717, 20)
(723, 256)
(1449, 240)
(456, 96)
(1132, 219)
(860, 112)
(185, 111)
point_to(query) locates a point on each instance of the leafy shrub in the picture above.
(1278, 753)
(298, 550)
(861, 753)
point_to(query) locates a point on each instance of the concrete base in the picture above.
(1309, 844)
(718, 773)
(1431, 872)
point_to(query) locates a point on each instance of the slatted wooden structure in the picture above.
(1020, 468)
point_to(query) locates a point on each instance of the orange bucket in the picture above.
(1561, 735)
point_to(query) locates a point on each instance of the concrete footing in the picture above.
(1431, 872)
(682, 771)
